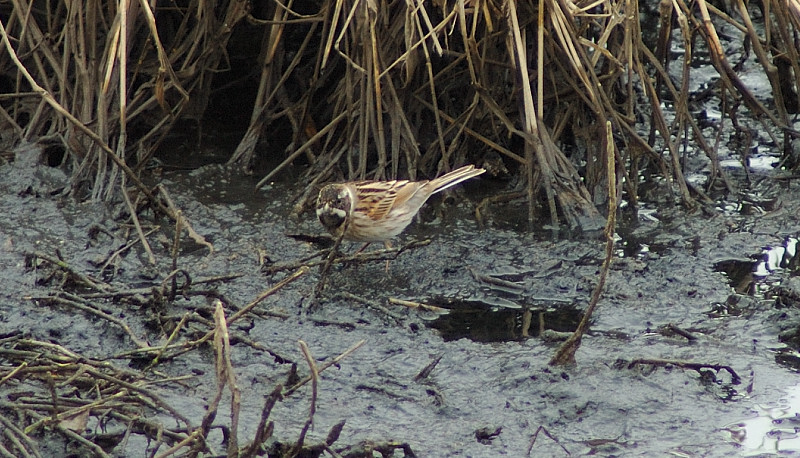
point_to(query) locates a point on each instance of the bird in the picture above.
(376, 211)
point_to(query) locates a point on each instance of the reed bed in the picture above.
(390, 89)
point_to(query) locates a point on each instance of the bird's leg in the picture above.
(388, 245)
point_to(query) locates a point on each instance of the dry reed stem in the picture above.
(135, 219)
(91, 101)
(76, 302)
(268, 93)
(566, 352)
(182, 222)
(48, 98)
(617, 48)
(723, 66)
(265, 427)
(769, 68)
(312, 408)
(415, 88)
(533, 146)
(363, 257)
(289, 391)
(272, 290)
(61, 368)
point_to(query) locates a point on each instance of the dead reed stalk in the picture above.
(381, 90)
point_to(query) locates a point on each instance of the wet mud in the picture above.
(466, 376)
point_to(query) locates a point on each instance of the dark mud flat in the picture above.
(697, 288)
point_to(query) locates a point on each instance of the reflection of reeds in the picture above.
(397, 89)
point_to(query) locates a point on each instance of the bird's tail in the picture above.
(453, 178)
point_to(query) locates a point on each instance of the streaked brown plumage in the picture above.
(376, 211)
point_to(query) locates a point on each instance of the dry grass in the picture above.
(382, 89)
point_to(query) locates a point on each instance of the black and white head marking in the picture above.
(333, 206)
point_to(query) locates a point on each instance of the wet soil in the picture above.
(712, 287)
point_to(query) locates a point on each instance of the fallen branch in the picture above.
(735, 379)
(388, 254)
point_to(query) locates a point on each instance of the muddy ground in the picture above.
(712, 287)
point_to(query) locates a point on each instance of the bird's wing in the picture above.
(377, 198)
(412, 195)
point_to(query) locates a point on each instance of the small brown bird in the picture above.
(375, 211)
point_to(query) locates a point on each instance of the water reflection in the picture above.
(483, 323)
(751, 276)
(773, 429)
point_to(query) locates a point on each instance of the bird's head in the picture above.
(333, 206)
